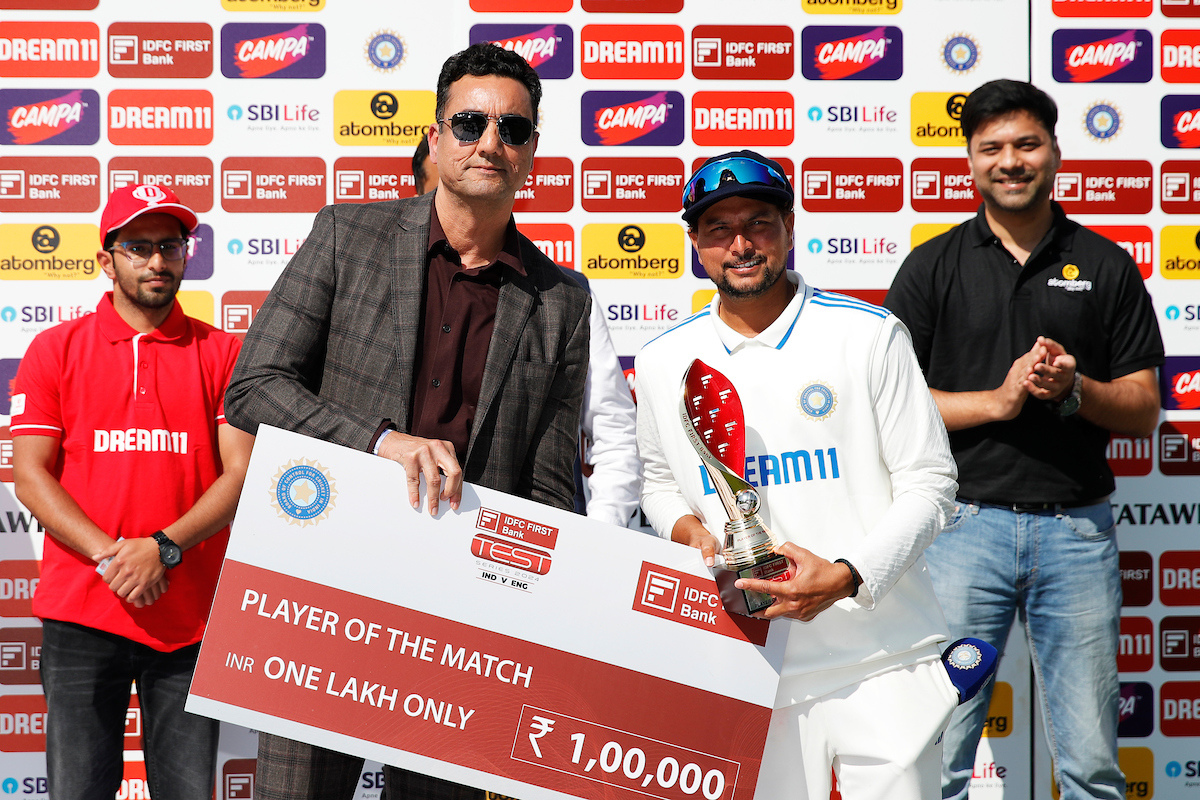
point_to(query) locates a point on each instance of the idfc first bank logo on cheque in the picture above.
(266, 50)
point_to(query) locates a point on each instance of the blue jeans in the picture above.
(86, 676)
(1059, 572)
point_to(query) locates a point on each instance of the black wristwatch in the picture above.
(853, 575)
(1071, 403)
(168, 552)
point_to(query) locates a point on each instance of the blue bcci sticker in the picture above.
(1102, 121)
(303, 491)
(817, 400)
(965, 656)
(386, 51)
(960, 53)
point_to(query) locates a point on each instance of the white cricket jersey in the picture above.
(850, 456)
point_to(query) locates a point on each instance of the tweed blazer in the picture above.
(331, 354)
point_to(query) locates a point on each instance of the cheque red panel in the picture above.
(377, 672)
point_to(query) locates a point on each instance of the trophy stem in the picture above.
(747, 541)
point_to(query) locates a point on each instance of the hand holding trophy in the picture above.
(715, 425)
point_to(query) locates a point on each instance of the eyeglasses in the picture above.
(139, 252)
(736, 169)
(468, 127)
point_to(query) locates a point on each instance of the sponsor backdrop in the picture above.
(258, 112)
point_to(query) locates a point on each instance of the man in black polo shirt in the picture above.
(1038, 339)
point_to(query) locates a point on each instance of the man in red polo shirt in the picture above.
(120, 451)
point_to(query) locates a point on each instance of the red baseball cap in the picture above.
(130, 202)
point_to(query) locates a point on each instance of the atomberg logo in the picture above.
(1180, 120)
(1179, 251)
(852, 6)
(50, 116)
(1088, 56)
(382, 118)
(160, 116)
(1180, 384)
(632, 118)
(834, 53)
(48, 252)
(268, 50)
(27, 52)
(633, 251)
(743, 118)
(647, 52)
(547, 48)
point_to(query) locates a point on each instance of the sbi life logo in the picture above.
(234, 113)
(10, 785)
(1174, 769)
(814, 246)
(1172, 312)
(235, 247)
(815, 114)
(8, 314)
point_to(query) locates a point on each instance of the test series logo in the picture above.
(1087, 56)
(835, 53)
(547, 48)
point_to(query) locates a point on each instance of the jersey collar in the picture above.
(777, 333)
(1060, 236)
(116, 329)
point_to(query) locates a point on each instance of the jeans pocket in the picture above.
(1091, 522)
(957, 517)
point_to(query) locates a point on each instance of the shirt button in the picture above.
(436, 383)
(445, 329)
(143, 365)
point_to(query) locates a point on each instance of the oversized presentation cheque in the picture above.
(509, 645)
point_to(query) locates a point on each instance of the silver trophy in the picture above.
(715, 424)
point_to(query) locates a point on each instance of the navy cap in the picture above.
(743, 173)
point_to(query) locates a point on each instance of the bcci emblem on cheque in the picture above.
(303, 491)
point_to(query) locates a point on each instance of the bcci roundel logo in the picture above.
(385, 51)
(817, 400)
(1102, 121)
(303, 491)
(960, 53)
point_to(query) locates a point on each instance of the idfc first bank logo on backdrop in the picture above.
(50, 116)
(547, 48)
(610, 119)
(840, 53)
(1107, 56)
(266, 50)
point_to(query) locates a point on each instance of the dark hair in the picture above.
(420, 155)
(485, 58)
(1001, 97)
(110, 241)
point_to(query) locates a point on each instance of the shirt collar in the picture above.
(1061, 234)
(776, 334)
(510, 254)
(116, 329)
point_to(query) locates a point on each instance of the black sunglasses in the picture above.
(468, 126)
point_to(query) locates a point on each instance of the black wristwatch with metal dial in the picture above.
(169, 553)
(1070, 404)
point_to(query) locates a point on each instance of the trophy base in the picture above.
(738, 601)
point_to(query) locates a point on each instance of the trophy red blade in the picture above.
(716, 413)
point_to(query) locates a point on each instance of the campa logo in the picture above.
(1090, 56)
(547, 48)
(50, 116)
(632, 118)
(264, 50)
(1179, 123)
(834, 53)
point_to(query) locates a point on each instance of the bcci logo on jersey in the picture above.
(303, 491)
(817, 401)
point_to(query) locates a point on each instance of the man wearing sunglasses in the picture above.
(120, 451)
(855, 475)
(429, 331)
